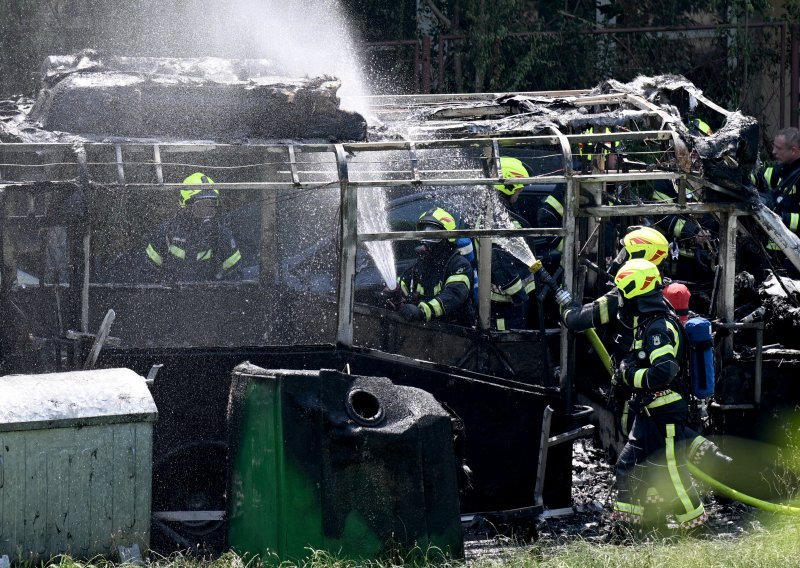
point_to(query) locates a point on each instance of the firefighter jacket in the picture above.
(594, 314)
(648, 349)
(440, 283)
(682, 231)
(653, 369)
(786, 196)
(767, 178)
(509, 274)
(551, 214)
(189, 249)
(674, 227)
(509, 298)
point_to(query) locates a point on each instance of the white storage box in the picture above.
(75, 463)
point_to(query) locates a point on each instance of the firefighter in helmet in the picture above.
(512, 281)
(438, 285)
(652, 478)
(641, 242)
(196, 245)
(511, 168)
(693, 239)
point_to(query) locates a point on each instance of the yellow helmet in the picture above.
(698, 126)
(196, 179)
(637, 277)
(511, 168)
(646, 243)
(436, 219)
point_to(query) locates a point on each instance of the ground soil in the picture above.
(592, 494)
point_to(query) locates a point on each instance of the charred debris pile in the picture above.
(164, 99)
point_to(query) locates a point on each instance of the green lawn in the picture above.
(776, 546)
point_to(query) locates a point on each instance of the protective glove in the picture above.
(391, 299)
(627, 368)
(574, 307)
(410, 312)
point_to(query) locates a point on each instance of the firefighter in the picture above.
(651, 474)
(511, 168)
(699, 127)
(551, 215)
(783, 181)
(196, 245)
(509, 298)
(641, 242)
(439, 284)
(512, 281)
(766, 179)
(601, 156)
(693, 241)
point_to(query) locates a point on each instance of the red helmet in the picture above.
(678, 296)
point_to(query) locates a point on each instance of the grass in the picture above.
(778, 546)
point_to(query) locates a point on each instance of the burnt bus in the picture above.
(307, 191)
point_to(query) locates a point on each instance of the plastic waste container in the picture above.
(352, 465)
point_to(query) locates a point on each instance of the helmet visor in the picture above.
(430, 240)
(203, 206)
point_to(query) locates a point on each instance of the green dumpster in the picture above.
(352, 465)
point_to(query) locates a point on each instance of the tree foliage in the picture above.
(507, 44)
(558, 44)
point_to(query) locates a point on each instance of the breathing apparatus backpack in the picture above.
(697, 365)
(700, 346)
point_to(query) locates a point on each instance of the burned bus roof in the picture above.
(96, 97)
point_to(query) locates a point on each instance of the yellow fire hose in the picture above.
(731, 493)
(600, 349)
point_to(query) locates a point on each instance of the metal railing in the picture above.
(333, 165)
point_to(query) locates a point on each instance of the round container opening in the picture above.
(364, 407)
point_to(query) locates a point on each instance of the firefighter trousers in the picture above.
(652, 477)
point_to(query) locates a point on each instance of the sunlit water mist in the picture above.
(516, 246)
(311, 37)
(373, 218)
(304, 37)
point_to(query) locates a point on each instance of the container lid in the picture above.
(77, 398)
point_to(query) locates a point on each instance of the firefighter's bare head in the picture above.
(786, 147)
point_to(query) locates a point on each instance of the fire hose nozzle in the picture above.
(563, 296)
